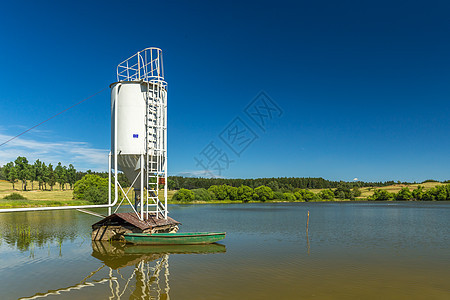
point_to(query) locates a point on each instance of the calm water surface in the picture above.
(351, 251)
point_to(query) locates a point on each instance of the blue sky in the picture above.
(362, 86)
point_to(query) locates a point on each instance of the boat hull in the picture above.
(191, 238)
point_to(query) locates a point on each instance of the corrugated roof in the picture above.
(149, 221)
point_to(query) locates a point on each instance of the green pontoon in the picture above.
(179, 238)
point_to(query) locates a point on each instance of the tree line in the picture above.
(285, 184)
(46, 175)
(264, 193)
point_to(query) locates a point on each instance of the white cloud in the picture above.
(80, 154)
(200, 173)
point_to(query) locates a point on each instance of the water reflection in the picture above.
(27, 230)
(132, 271)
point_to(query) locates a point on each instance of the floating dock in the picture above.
(114, 226)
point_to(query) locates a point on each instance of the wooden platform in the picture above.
(114, 226)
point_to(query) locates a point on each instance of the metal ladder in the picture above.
(156, 155)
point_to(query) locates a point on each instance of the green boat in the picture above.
(179, 238)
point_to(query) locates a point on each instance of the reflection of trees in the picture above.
(23, 236)
(36, 229)
(133, 272)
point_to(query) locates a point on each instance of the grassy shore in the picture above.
(38, 198)
(58, 197)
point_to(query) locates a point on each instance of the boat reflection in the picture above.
(118, 255)
(132, 271)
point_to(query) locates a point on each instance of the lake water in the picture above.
(351, 251)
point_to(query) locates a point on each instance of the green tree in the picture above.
(23, 171)
(273, 185)
(263, 193)
(220, 192)
(172, 184)
(38, 172)
(279, 195)
(202, 194)
(441, 193)
(418, 193)
(45, 175)
(289, 197)
(428, 195)
(326, 194)
(184, 195)
(60, 176)
(309, 196)
(382, 195)
(51, 176)
(10, 173)
(245, 193)
(71, 175)
(92, 188)
(298, 195)
(356, 192)
(438, 193)
(232, 192)
(305, 195)
(343, 192)
(33, 175)
(404, 194)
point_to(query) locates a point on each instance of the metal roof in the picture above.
(149, 221)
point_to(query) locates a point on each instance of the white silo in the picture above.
(139, 130)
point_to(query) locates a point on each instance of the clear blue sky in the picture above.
(363, 86)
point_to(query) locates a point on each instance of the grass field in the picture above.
(368, 191)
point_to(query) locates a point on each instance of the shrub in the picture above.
(326, 194)
(343, 192)
(438, 193)
(404, 194)
(95, 195)
(298, 196)
(219, 191)
(224, 192)
(232, 192)
(380, 195)
(184, 195)
(289, 197)
(305, 195)
(263, 193)
(14, 196)
(418, 193)
(356, 191)
(245, 193)
(202, 194)
(279, 195)
(92, 188)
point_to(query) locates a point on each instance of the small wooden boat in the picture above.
(179, 238)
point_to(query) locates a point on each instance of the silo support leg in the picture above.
(142, 186)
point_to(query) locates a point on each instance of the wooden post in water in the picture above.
(307, 237)
(307, 222)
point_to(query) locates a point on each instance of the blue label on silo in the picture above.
(135, 135)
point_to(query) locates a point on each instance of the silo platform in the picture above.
(114, 226)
